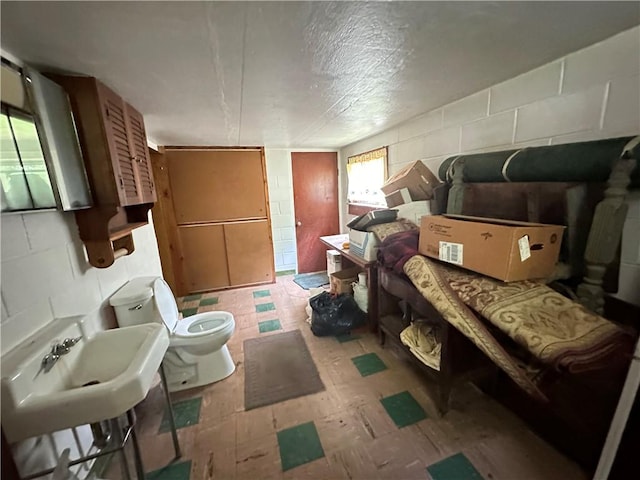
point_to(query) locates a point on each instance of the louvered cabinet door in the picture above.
(115, 121)
(140, 152)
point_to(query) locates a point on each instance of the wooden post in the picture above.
(456, 192)
(605, 234)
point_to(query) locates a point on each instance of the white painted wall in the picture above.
(591, 94)
(45, 275)
(279, 179)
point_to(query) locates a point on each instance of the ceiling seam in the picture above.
(244, 49)
(214, 59)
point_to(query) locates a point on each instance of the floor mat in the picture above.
(277, 368)
(311, 280)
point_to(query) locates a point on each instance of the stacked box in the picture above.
(341, 281)
(503, 249)
(416, 178)
(334, 261)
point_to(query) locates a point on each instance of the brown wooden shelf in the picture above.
(125, 230)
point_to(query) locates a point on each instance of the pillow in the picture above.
(383, 230)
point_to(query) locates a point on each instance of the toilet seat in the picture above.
(201, 324)
(194, 327)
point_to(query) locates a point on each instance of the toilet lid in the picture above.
(165, 303)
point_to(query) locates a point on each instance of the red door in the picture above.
(315, 204)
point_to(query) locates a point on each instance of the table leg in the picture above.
(372, 293)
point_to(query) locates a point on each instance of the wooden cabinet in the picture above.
(114, 148)
(212, 218)
(127, 143)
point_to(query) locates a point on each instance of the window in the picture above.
(366, 174)
(23, 171)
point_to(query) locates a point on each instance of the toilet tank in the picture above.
(133, 302)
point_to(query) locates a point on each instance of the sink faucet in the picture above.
(57, 351)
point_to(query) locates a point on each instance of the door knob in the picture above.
(298, 224)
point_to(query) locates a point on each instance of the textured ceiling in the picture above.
(293, 74)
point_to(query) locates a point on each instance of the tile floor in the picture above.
(376, 419)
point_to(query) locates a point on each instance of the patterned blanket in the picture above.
(556, 331)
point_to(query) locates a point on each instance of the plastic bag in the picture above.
(335, 314)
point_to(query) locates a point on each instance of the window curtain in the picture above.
(366, 174)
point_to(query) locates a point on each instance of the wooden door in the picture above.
(115, 122)
(214, 203)
(217, 185)
(315, 199)
(205, 257)
(250, 258)
(140, 155)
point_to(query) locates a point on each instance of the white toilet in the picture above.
(197, 354)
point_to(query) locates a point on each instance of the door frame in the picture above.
(338, 191)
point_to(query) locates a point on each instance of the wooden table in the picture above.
(335, 242)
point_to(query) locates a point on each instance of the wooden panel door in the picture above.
(315, 200)
(115, 121)
(201, 193)
(250, 257)
(140, 154)
(204, 257)
(234, 182)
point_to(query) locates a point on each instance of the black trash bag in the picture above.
(335, 314)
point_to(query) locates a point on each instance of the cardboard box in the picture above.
(416, 178)
(414, 211)
(340, 282)
(334, 261)
(398, 197)
(374, 217)
(363, 244)
(503, 249)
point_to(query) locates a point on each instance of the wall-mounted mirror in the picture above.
(41, 164)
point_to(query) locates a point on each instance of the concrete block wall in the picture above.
(45, 275)
(281, 204)
(590, 94)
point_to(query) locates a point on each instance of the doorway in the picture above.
(315, 205)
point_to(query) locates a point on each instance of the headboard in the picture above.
(580, 185)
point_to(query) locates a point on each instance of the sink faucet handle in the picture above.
(49, 361)
(70, 342)
(60, 349)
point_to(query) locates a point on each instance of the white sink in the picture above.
(123, 360)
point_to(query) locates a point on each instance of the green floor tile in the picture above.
(285, 272)
(265, 307)
(403, 409)
(455, 467)
(175, 471)
(269, 326)
(368, 364)
(186, 413)
(261, 293)
(208, 301)
(191, 298)
(346, 337)
(299, 445)
(187, 312)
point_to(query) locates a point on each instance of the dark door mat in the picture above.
(311, 280)
(277, 368)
